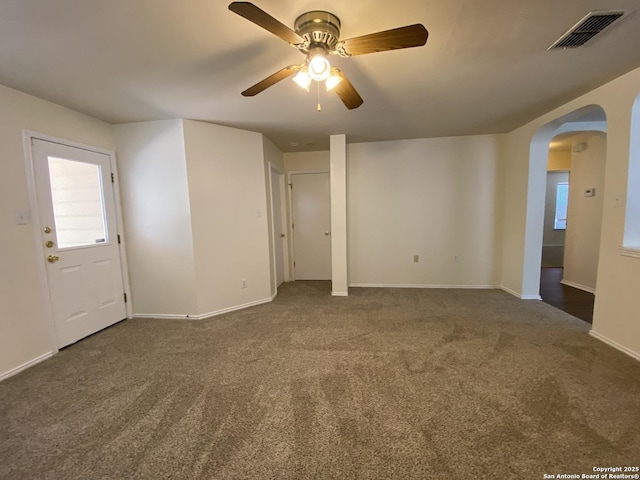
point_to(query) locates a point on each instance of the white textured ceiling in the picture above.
(485, 68)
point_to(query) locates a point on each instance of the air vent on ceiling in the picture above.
(587, 28)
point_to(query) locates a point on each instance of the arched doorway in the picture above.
(573, 219)
(581, 124)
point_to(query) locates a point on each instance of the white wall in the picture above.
(584, 216)
(616, 301)
(24, 328)
(559, 160)
(227, 191)
(294, 161)
(516, 177)
(436, 198)
(196, 217)
(157, 217)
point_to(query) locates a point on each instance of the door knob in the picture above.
(327, 233)
(53, 258)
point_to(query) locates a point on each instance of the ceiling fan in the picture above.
(317, 35)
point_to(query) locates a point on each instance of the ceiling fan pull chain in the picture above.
(319, 107)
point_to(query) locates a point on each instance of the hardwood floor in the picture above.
(568, 299)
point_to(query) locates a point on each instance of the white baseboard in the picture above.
(339, 294)
(419, 285)
(569, 283)
(615, 345)
(24, 366)
(530, 297)
(163, 316)
(521, 297)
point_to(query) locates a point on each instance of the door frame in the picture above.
(291, 244)
(283, 221)
(27, 137)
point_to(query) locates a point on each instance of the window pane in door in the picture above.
(78, 206)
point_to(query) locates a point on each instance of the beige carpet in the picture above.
(386, 383)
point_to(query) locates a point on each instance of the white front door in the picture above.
(311, 226)
(78, 228)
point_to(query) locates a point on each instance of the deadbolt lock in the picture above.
(50, 244)
(47, 229)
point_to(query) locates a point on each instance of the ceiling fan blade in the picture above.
(347, 93)
(396, 38)
(263, 19)
(271, 80)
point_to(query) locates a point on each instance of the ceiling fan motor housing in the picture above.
(319, 29)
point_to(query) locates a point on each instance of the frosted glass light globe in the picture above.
(319, 68)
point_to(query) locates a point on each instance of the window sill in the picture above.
(630, 252)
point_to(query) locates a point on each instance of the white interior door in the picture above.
(278, 233)
(78, 227)
(311, 226)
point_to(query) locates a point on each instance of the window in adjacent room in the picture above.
(562, 200)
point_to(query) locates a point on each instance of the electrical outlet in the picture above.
(243, 283)
(416, 258)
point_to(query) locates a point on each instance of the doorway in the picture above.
(590, 117)
(74, 211)
(572, 223)
(311, 225)
(277, 209)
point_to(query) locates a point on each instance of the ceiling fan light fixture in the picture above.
(303, 78)
(319, 67)
(333, 80)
